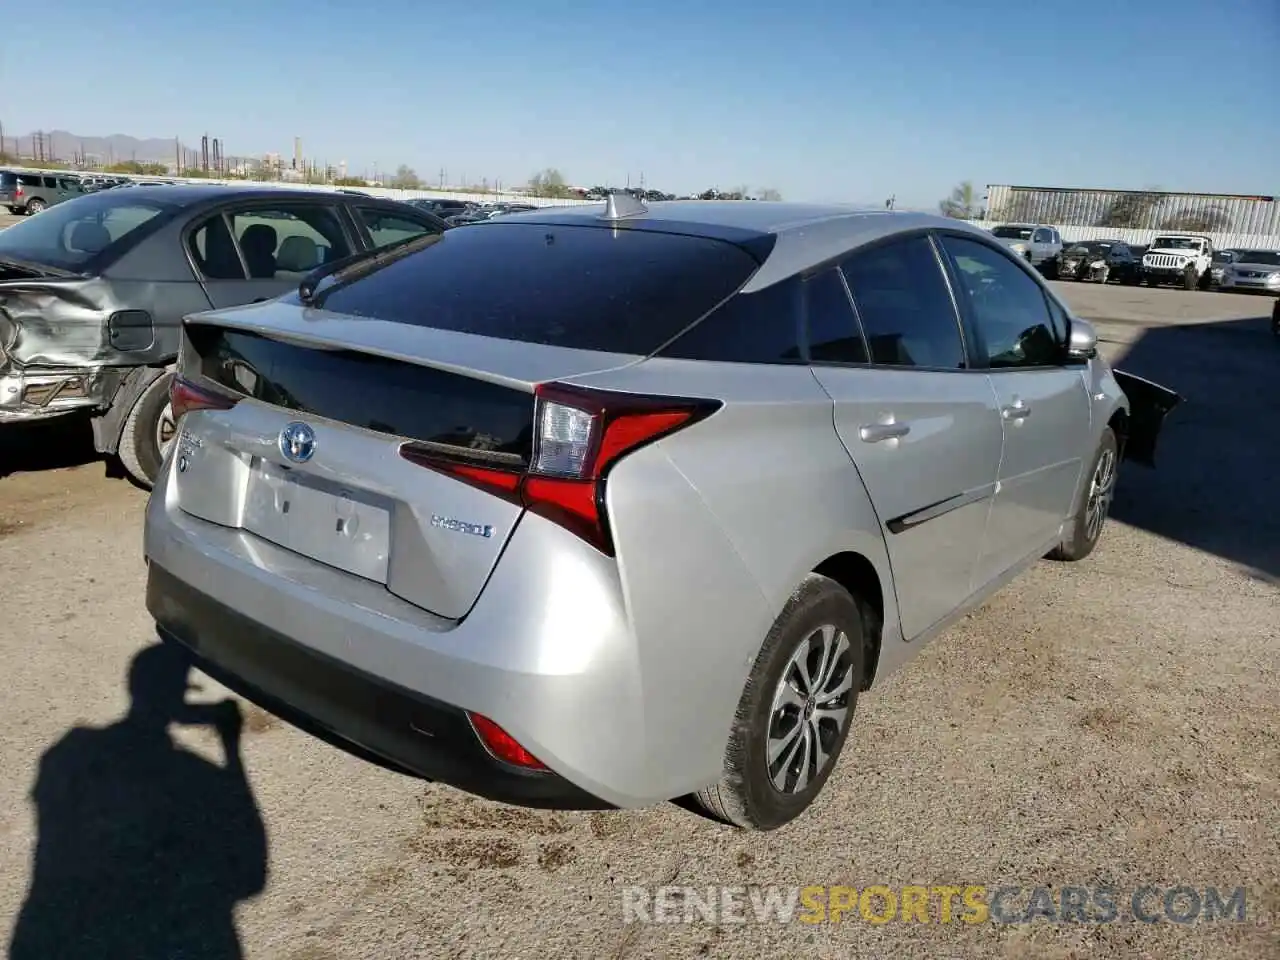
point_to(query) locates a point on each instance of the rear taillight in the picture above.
(17, 190)
(185, 396)
(501, 745)
(579, 434)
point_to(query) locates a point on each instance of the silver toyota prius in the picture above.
(607, 505)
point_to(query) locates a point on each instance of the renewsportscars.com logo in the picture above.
(968, 904)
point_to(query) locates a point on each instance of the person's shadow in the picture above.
(144, 847)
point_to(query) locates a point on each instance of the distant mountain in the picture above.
(63, 145)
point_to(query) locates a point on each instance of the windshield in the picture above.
(1177, 243)
(1012, 233)
(1090, 246)
(1270, 258)
(67, 236)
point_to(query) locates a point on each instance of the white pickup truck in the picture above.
(1182, 258)
(1041, 245)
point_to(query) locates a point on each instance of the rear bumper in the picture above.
(40, 393)
(372, 718)
(547, 653)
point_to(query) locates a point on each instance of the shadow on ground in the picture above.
(144, 847)
(1217, 481)
(49, 445)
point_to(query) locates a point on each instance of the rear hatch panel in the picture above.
(354, 503)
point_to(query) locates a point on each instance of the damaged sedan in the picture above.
(93, 291)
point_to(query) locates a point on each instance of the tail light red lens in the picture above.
(579, 435)
(501, 745)
(185, 396)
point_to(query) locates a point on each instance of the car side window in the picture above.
(1009, 308)
(1040, 236)
(834, 334)
(905, 305)
(760, 327)
(285, 241)
(386, 228)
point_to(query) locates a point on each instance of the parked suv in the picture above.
(1041, 245)
(574, 515)
(25, 193)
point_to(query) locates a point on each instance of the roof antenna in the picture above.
(620, 204)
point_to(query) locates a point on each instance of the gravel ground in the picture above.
(1111, 722)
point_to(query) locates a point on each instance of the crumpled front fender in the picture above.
(1149, 405)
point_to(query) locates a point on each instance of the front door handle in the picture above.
(876, 432)
(1016, 412)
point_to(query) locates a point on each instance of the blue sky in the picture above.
(850, 101)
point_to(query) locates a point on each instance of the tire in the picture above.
(1084, 535)
(35, 205)
(816, 618)
(1189, 279)
(1275, 319)
(141, 444)
(1051, 269)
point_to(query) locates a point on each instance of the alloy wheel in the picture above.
(811, 708)
(1101, 488)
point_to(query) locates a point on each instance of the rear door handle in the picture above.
(876, 432)
(1016, 412)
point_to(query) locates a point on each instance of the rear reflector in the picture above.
(579, 435)
(501, 745)
(185, 396)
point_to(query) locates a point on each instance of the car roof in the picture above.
(191, 193)
(806, 235)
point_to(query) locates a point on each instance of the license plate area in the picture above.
(343, 527)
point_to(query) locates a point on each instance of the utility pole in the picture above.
(177, 154)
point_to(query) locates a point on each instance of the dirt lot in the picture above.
(1113, 722)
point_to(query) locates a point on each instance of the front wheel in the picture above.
(795, 712)
(148, 433)
(1091, 512)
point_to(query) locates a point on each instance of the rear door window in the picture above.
(834, 335)
(386, 228)
(270, 242)
(905, 305)
(594, 288)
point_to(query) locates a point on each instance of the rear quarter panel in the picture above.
(715, 527)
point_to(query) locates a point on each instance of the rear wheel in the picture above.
(795, 712)
(35, 205)
(148, 433)
(1091, 512)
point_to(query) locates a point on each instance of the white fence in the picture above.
(1221, 241)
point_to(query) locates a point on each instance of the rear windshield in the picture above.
(72, 234)
(585, 287)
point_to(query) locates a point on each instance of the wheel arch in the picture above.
(858, 575)
(109, 425)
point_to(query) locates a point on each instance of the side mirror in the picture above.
(1082, 340)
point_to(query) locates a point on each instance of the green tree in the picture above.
(348, 182)
(549, 183)
(405, 178)
(135, 167)
(962, 204)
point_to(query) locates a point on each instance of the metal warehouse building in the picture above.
(1134, 209)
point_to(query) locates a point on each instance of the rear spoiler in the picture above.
(1149, 404)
